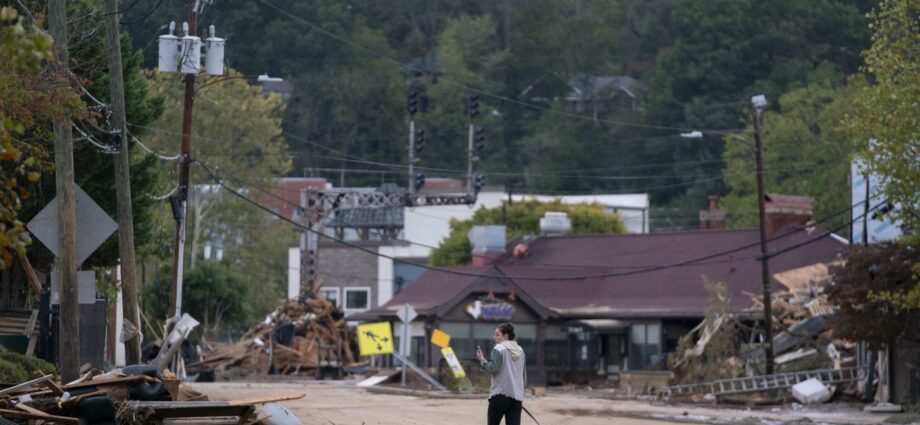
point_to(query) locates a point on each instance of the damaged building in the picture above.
(603, 307)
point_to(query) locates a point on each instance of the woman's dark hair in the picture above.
(507, 329)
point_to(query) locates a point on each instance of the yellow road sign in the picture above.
(453, 362)
(440, 338)
(375, 338)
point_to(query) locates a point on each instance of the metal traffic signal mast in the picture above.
(317, 205)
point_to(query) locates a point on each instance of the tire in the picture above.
(96, 411)
(142, 390)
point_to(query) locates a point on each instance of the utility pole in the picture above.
(472, 110)
(759, 103)
(175, 290)
(123, 183)
(412, 107)
(69, 348)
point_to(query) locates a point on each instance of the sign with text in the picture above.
(375, 338)
(455, 367)
(490, 310)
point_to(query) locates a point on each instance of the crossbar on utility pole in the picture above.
(69, 348)
(123, 183)
(764, 261)
(175, 290)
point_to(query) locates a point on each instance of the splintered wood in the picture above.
(307, 336)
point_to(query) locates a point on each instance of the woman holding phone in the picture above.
(507, 367)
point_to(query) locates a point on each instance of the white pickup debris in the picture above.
(811, 391)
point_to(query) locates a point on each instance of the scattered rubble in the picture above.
(297, 338)
(137, 395)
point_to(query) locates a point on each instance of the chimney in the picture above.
(713, 218)
(785, 211)
(555, 224)
(488, 244)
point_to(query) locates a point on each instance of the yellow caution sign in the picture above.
(375, 338)
(453, 362)
(440, 338)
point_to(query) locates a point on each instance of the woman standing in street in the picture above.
(507, 367)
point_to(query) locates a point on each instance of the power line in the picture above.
(693, 261)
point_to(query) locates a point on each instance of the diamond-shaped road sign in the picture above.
(94, 226)
(406, 313)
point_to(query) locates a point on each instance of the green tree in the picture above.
(888, 111)
(806, 152)
(212, 293)
(725, 51)
(236, 132)
(521, 219)
(27, 101)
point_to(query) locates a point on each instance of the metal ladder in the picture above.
(769, 382)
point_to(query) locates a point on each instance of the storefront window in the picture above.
(555, 346)
(645, 346)
(526, 335)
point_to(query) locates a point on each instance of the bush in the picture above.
(12, 373)
(29, 364)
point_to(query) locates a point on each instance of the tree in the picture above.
(725, 51)
(27, 100)
(869, 290)
(887, 110)
(213, 294)
(806, 152)
(236, 132)
(521, 218)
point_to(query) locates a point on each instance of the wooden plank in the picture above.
(110, 381)
(54, 388)
(33, 413)
(32, 277)
(266, 399)
(30, 327)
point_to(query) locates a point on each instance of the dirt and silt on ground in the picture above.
(341, 402)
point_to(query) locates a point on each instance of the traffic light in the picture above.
(419, 141)
(473, 105)
(479, 181)
(479, 143)
(418, 180)
(413, 103)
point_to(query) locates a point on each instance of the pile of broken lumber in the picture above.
(296, 338)
(800, 314)
(133, 395)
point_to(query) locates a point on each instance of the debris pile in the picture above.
(137, 394)
(297, 338)
(802, 339)
(707, 360)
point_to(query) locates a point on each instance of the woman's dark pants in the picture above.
(502, 405)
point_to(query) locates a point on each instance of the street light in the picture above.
(759, 104)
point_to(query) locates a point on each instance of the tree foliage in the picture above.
(28, 99)
(212, 293)
(868, 289)
(806, 151)
(888, 111)
(521, 219)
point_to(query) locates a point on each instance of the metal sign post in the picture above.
(406, 314)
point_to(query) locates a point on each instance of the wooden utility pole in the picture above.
(764, 262)
(123, 183)
(175, 290)
(69, 348)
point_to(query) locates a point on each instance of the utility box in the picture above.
(191, 52)
(169, 50)
(214, 61)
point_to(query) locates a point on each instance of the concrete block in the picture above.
(811, 391)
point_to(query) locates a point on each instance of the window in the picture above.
(331, 294)
(357, 299)
(645, 346)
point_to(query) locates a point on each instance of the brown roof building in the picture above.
(596, 305)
